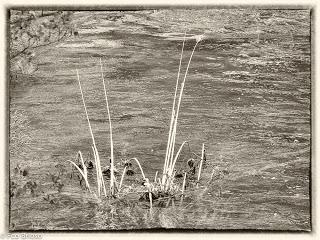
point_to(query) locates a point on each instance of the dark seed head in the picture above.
(128, 164)
(90, 165)
(106, 172)
(143, 182)
(179, 175)
(25, 172)
(191, 163)
(130, 172)
(80, 166)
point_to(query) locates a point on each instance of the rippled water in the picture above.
(248, 102)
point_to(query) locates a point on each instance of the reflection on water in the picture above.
(249, 104)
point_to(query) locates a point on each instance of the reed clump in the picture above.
(163, 185)
(171, 157)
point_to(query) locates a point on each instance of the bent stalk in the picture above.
(123, 173)
(137, 161)
(83, 173)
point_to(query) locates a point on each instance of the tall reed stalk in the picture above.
(184, 182)
(170, 160)
(201, 162)
(100, 181)
(112, 178)
(173, 111)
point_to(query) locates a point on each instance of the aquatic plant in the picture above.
(162, 186)
(201, 162)
(100, 182)
(112, 178)
(84, 172)
(171, 157)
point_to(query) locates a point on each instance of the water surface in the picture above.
(247, 101)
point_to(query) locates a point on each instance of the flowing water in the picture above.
(247, 100)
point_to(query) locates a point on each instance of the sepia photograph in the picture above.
(165, 118)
